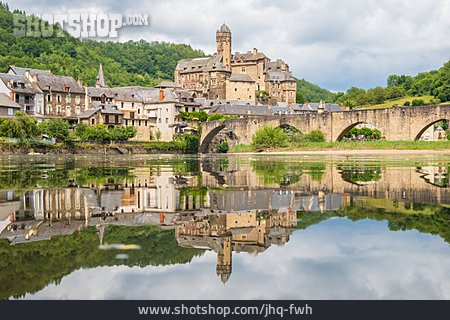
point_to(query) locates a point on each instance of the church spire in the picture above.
(101, 82)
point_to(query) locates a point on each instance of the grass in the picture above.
(354, 145)
(401, 101)
(398, 102)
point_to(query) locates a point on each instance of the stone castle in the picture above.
(238, 76)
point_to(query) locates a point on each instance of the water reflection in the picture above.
(166, 210)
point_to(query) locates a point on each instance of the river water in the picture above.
(225, 227)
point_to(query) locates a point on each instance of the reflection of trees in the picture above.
(286, 173)
(360, 174)
(437, 223)
(30, 267)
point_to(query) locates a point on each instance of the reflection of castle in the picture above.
(250, 231)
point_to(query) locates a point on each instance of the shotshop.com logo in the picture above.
(79, 25)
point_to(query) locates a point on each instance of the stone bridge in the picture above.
(395, 124)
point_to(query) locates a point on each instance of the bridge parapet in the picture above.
(396, 124)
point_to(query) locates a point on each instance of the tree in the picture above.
(158, 134)
(21, 126)
(299, 98)
(55, 128)
(269, 137)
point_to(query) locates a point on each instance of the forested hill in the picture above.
(312, 92)
(129, 63)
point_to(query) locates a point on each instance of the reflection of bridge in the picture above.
(396, 183)
(398, 123)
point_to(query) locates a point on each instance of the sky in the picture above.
(336, 259)
(333, 43)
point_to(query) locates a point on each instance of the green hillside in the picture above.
(129, 63)
(308, 91)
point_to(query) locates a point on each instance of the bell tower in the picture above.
(223, 44)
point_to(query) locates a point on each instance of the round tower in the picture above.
(223, 44)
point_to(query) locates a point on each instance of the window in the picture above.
(235, 89)
(167, 120)
(58, 98)
(132, 115)
(121, 105)
(159, 120)
(17, 98)
(10, 111)
(117, 119)
(139, 111)
(49, 98)
(106, 118)
(132, 104)
(243, 69)
(92, 121)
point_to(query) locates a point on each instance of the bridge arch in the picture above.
(288, 128)
(422, 131)
(209, 137)
(347, 129)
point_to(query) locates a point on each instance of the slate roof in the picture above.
(21, 71)
(278, 110)
(248, 56)
(58, 83)
(328, 107)
(240, 77)
(224, 28)
(279, 76)
(276, 65)
(167, 84)
(213, 63)
(104, 108)
(5, 101)
(241, 110)
(29, 88)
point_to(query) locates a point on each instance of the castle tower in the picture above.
(223, 267)
(223, 44)
(101, 82)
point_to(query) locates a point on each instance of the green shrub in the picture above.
(269, 137)
(315, 136)
(201, 116)
(101, 133)
(55, 128)
(418, 102)
(191, 142)
(223, 147)
(407, 104)
(216, 116)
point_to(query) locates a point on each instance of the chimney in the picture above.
(11, 95)
(255, 51)
(79, 82)
(161, 95)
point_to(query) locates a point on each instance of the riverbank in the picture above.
(352, 147)
(92, 149)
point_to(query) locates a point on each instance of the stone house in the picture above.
(8, 107)
(19, 89)
(102, 113)
(63, 96)
(241, 85)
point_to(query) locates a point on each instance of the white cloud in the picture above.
(337, 259)
(336, 44)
